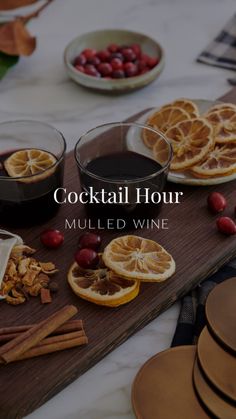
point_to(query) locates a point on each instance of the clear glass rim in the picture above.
(127, 124)
(32, 122)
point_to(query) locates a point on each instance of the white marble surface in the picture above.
(38, 88)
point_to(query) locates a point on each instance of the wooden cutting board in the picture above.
(192, 239)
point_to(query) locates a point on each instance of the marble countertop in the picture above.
(38, 88)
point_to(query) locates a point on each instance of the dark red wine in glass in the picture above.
(120, 170)
(28, 203)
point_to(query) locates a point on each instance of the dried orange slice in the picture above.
(135, 257)
(187, 105)
(191, 141)
(26, 164)
(224, 123)
(221, 106)
(219, 162)
(102, 286)
(162, 120)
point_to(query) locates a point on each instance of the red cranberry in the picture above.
(80, 60)
(90, 70)
(145, 70)
(130, 69)
(118, 74)
(142, 65)
(117, 55)
(152, 62)
(51, 238)
(137, 49)
(90, 240)
(105, 69)
(94, 61)
(216, 202)
(103, 55)
(87, 258)
(113, 48)
(144, 58)
(116, 64)
(89, 53)
(80, 68)
(226, 225)
(128, 54)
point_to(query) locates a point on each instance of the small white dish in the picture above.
(100, 40)
(185, 178)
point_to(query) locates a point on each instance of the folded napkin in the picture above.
(192, 318)
(221, 52)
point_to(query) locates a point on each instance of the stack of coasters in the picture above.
(215, 367)
(194, 381)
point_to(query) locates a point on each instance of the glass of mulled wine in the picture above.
(31, 168)
(119, 173)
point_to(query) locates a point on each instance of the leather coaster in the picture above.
(218, 365)
(213, 401)
(221, 312)
(163, 387)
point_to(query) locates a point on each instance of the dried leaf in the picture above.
(14, 4)
(15, 39)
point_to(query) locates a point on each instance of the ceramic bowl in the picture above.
(100, 40)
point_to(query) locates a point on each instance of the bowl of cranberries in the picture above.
(114, 60)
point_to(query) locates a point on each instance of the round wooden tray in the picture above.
(216, 404)
(218, 365)
(163, 387)
(221, 312)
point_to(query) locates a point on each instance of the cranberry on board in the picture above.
(80, 60)
(90, 240)
(226, 225)
(87, 258)
(105, 69)
(89, 53)
(216, 202)
(52, 238)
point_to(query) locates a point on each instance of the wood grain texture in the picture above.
(193, 241)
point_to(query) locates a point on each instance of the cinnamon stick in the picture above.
(18, 346)
(53, 347)
(9, 333)
(60, 338)
(68, 326)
